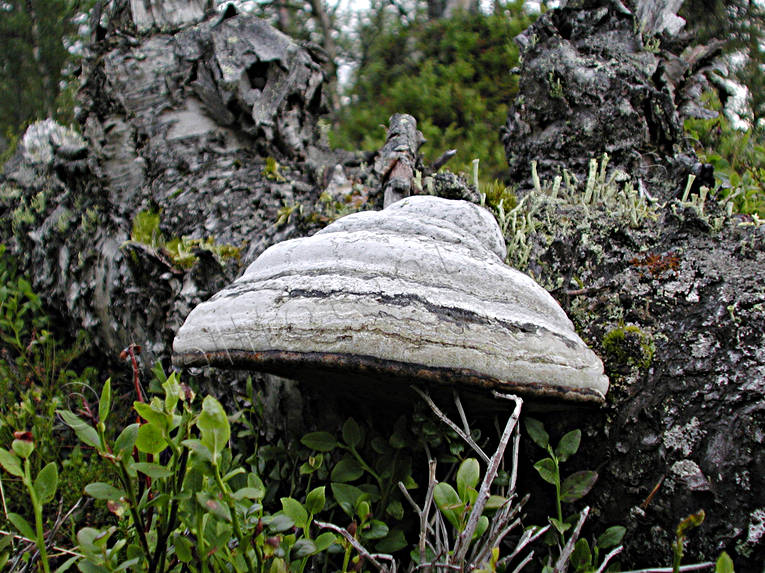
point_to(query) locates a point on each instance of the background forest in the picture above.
(449, 63)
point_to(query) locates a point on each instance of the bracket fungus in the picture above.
(417, 292)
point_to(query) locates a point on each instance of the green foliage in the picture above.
(181, 250)
(41, 490)
(737, 156)
(272, 171)
(34, 36)
(182, 500)
(453, 75)
(690, 522)
(584, 558)
(363, 470)
(36, 378)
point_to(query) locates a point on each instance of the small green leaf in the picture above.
(495, 502)
(449, 503)
(84, 432)
(100, 490)
(324, 540)
(46, 482)
(346, 496)
(352, 433)
(568, 445)
(395, 510)
(198, 449)
(468, 475)
(150, 439)
(395, 541)
(547, 470)
(295, 510)
(278, 565)
(153, 413)
(315, 500)
(577, 485)
(319, 441)
(536, 431)
(347, 469)
(182, 547)
(483, 525)
(611, 537)
(105, 403)
(303, 548)
(279, 522)
(11, 463)
(376, 530)
(581, 558)
(172, 392)
(214, 506)
(154, 471)
(561, 526)
(23, 448)
(22, 525)
(247, 493)
(126, 440)
(214, 427)
(724, 564)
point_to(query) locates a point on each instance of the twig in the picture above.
(452, 425)
(439, 566)
(443, 159)
(528, 537)
(32, 541)
(692, 567)
(463, 541)
(461, 411)
(613, 553)
(565, 554)
(359, 547)
(525, 562)
(426, 506)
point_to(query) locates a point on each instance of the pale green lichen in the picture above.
(554, 206)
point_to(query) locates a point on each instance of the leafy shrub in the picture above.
(737, 156)
(36, 379)
(453, 75)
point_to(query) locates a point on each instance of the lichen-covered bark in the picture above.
(597, 78)
(182, 125)
(670, 295)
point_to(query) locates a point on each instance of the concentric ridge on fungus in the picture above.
(418, 291)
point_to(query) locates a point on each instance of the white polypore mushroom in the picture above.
(418, 291)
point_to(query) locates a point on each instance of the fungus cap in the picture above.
(418, 291)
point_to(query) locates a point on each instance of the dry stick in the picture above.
(426, 507)
(359, 547)
(613, 553)
(527, 537)
(442, 159)
(452, 425)
(692, 567)
(463, 540)
(32, 541)
(461, 411)
(523, 563)
(565, 554)
(425, 511)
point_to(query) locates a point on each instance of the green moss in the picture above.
(179, 249)
(629, 345)
(272, 171)
(146, 228)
